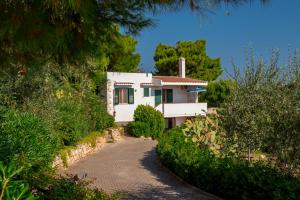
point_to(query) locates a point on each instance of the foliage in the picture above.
(122, 54)
(71, 187)
(64, 31)
(205, 131)
(73, 31)
(71, 124)
(11, 186)
(198, 64)
(26, 139)
(217, 92)
(261, 114)
(138, 129)
(149, 116)
(91, 138)
(226, 177)
(98, 113)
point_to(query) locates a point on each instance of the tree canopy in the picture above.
(33, 32)
(198, 64)
(217, 92)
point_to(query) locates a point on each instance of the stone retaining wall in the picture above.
(82, 150)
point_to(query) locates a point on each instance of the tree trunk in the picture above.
(249, 153)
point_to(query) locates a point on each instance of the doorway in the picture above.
(170, 123)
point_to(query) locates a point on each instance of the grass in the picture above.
(91, 138)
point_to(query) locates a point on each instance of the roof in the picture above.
(176, 79)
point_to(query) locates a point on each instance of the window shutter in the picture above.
(169, 96)
(146, 92)
(116, 96)
(157, 94)
(130, 96)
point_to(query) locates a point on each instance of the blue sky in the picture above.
(263, 28)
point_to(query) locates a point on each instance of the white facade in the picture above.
(125, 91)
(123, 112)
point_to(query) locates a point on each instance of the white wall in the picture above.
(124, 112)
(179, 95)
(184, 109)
(179, 120)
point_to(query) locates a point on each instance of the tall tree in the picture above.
(33, 32)
(198, 64)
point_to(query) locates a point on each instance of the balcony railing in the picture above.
(182, 109)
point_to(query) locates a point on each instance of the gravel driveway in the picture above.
(131, 166)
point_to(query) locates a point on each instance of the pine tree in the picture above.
(198, 64)
(33, 32)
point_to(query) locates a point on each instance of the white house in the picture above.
(175, 96)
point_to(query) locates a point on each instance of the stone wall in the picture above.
(73, 155)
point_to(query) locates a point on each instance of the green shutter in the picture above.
(116, 96)
(130, 96)
(146, 92)
(169, 95)
(157, 97)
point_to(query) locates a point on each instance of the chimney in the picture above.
(181, 67)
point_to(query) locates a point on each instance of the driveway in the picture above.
(131, 167)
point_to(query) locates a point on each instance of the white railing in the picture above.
(183, 109)
(125, 112)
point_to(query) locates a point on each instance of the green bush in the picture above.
(25, 138)
(228, 178)
(205, 131)
(69, 188)
(70, 116)
(138, 129)
(152, 117)
(11, 185)
(98, 113)
(217, 92)
(71, 123)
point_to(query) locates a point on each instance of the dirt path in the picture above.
(131, 166)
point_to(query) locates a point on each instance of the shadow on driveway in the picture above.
(172, 187)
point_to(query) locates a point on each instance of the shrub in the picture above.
(71, 122)
(138, 129)
(229, 178)
(98, 113)
(71, 187)
(11, 186)
(152, 117)
(217, 92)
(205, 131)
(25, 138)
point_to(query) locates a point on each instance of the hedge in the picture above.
(228, 178)
(147, 122)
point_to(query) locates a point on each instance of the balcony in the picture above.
(182, 109)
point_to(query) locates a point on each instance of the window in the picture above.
(123, 96)
(157, 94)
(146, 92)
(167, 95)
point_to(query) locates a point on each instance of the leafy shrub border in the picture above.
(228, 178)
